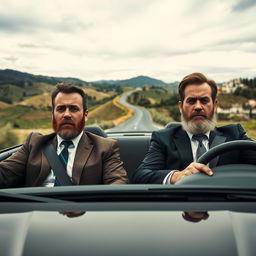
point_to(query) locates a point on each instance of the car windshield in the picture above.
(129, 57)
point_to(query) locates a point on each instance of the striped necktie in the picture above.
(201, 148)
(63, 157)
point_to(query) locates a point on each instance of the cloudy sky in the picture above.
(120, 39)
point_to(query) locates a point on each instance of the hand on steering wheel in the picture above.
(231, 174)
(191, 169)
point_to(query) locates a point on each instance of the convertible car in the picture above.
(198, 216)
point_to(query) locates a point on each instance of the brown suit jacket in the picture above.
(97, 161)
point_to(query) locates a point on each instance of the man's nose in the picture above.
(67, 113)
(198, 105)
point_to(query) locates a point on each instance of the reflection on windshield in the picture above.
(73, 214)
(195, 216)
(190, 216)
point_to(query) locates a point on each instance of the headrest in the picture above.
(173, 124)
(96, 130)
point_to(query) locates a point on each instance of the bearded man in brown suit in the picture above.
(91, 159)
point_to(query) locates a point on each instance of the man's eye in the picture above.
(204, 100)
(73, 108)
(61, 108)
(191, 101)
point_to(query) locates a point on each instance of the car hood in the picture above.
(127, 233)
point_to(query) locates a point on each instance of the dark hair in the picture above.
(69, 88)
(198, 79)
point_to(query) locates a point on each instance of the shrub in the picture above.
(7, 137)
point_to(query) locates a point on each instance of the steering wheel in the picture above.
(231, 174)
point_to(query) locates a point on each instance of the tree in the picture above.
(175, 113)
(171, 101)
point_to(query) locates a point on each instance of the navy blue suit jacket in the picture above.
(170, 149)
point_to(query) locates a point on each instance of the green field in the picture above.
(249, 127)
(156, 94)
(25, 117)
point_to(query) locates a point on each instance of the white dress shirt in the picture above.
(194, 145)
(50, 180)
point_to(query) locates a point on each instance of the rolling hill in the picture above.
(7, 75)
(138, 81)
(13, 76)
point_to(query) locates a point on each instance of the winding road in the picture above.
(141, 120)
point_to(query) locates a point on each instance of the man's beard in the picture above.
(199, 128)
(70, 132)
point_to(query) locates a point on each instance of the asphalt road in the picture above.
(141, 120)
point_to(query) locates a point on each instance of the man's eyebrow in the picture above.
(198, 97)
(67, 105)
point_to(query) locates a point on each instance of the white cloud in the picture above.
(112, 39)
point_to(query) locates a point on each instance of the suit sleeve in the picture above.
(248, 156)
(113, 171)
(152, 170)
(12, 169)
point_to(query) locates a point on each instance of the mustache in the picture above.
(66, 122)
(198, 114)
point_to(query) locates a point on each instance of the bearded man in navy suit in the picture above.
(173, 151)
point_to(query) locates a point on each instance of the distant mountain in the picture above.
(138, 81)
(172, 87)
(105, 82)
(72, 80)
(10, 75)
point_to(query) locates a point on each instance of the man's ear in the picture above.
(86, 115)
(180, 106)
(215, 105)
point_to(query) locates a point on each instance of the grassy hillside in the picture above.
(157, 94)
(42, 101)
(249, 127)
(109, 114)
(25, 117)
(106, 112)
(21, 90)
(4, 105)
(226, 100)
(96, 94)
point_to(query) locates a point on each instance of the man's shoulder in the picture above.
(98, 139)
(169, 129)
(229, 127)
(168, 133)
(35, 137)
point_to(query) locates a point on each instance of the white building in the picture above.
(230, 86)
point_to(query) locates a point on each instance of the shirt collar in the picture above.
(75, 140)
(190, 135)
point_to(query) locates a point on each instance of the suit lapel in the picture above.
(216, 138)
(183, 145)
(45, 166)
(83, 152)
